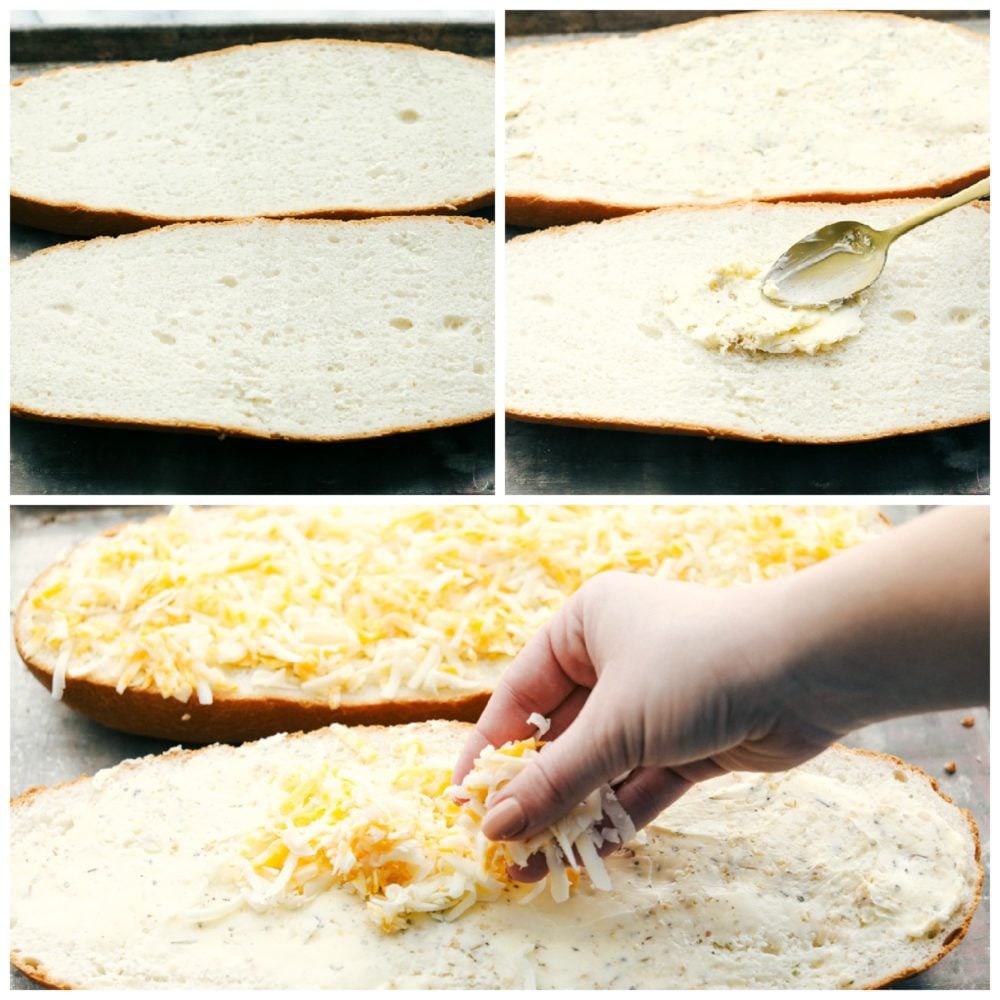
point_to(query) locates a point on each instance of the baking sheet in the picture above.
(57, 458)
(547, 459)
(50, 743)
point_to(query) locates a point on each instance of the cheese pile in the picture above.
(325, 603)
(408, 843)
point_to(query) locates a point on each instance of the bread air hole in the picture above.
(904, 316)
(478, 368)
(229, 281)
(165, 338)
(401, 323)
(454, 322)
(409, 116)
(960, 315)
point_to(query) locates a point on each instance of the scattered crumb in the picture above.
(968, 722)
(950, 767)
(186, 717)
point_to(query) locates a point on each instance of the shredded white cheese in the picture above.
(388, 602)
(404, 840)
(572, 844)
(541, 724)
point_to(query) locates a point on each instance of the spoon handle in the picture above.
(978, 190)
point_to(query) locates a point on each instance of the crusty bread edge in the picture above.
(96, 420)
(531, 209)
(726, 433)
(538, 211)
(229, 719)
(484, 64)
(730, 434)
(240, 719)
(959, 932)
(80, 220)
(74, 219)
(734, 15)
(274, 220)
(37, 973)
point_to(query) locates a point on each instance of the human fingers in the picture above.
(644, 794)
(647, 791)
(543, 675)
(563, 775)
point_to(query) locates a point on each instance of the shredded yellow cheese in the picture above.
(376, 602)
(405, 842)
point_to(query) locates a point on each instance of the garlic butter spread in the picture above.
(848, 856)
(728, 311)
(832, 875)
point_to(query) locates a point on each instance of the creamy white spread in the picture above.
(828, 876)
(727, 310)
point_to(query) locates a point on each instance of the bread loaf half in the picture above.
(306, 330)
(772, 105)
(232, 624)
(657, 322)
(849, 871)
(303, 128)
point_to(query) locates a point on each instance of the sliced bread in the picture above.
(638, 322)
(283, 329)
(771, 105)
(235, 623)
(302, 128)
(849, 871)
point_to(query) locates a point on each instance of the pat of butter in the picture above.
(729, 311)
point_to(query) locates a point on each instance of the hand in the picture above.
(670, 683)
(652, 686)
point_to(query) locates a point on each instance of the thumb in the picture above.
(561, 777)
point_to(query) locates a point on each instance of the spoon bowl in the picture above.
(828, 266)
(842, 259)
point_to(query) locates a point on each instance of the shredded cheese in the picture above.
(405, 841)
(572, 844)
(376, 603)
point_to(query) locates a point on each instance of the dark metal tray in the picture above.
(59, 458)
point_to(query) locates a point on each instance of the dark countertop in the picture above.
(53, 458)
(548, 459)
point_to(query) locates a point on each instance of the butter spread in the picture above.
(831, 875)
(728, 311)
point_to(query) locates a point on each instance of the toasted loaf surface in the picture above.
(302, 330)
(310, 128)
(746, 106)
(444, 596)
(820, 852)
(612, 300)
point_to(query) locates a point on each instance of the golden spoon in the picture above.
(841, 259)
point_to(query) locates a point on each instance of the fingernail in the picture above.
(505, 820)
